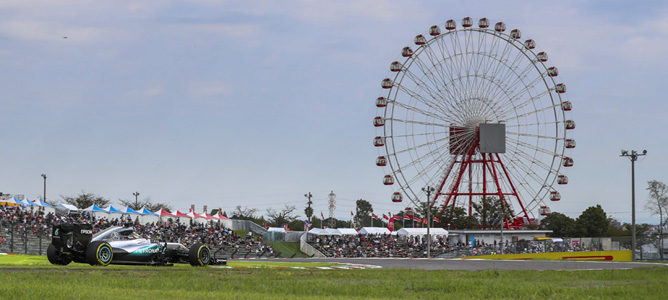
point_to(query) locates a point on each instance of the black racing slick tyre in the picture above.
(199, 255)
(99, 253)
(55, 257)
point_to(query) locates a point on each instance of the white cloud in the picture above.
(51, 32)
(228, 30)
(208, 89)
(329, 11)
(33, 4)
(646, 42)
(321, 11)
(154, 91)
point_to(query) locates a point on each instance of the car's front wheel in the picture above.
(199, 255)
(55, 257)
(99, 253)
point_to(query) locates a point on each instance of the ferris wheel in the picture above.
(473, 112)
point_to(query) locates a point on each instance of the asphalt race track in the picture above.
(461, 264)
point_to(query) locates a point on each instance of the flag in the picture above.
(437, 220)
(374, 216)
(395, 217)
(407, 217)
(385, 217)
(424, 221)
(307, 225)
(390, 225)
(322, 216)
(352, 214)
(416, 219)
(285, 226)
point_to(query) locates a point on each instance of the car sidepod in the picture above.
(136, 251)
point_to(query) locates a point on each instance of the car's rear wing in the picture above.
(71, 236)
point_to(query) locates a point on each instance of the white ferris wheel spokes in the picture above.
(446, 88)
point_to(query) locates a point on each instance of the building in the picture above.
(489, 236)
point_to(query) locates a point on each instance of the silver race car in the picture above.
(120, 245)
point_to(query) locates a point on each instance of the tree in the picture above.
(490, 211)
(146, 202)
(658, 195)
(593, 222)
(616, 228)
(308, 211)
(85, 200)
(244, 213)
(284, 216)
(457, 218)
(560, 224)
(364, 210)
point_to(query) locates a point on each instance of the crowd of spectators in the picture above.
(382, 245)
(26, 223)
(34, 222)
(385, 245)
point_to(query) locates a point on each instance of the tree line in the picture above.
(487, 213)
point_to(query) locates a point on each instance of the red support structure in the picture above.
(489, 164)
(513, 187)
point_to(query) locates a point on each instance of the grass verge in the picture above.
(288, 249)
(130, 282)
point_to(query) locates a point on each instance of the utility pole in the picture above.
(428, 190)
(44, 195)
(633, 156)
(136, 194)
(502, 233)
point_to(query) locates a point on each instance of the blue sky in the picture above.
(229, 103)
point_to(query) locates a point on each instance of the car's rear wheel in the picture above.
(56, 257)
(99, 253)
(199, 255)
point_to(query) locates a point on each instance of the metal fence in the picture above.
(647, 248)
(23, 241)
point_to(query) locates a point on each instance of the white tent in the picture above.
(374, 230)
(410, 232)
(68, 206)
(276, 229)
(332, 231)
(27, 202)
(347, 231)
(327, 231)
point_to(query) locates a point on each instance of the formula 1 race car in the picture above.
(120, 245)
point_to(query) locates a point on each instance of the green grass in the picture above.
(287, 249)
(79, 281)
(27, 261)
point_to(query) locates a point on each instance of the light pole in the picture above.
(633, 156)
(502, 233)
(428, 190)
(136, 194)
(44, 195)
(308, 196)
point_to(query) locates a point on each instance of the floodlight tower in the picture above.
(633, 156)
(332, 208)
